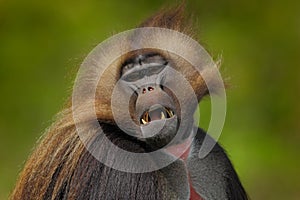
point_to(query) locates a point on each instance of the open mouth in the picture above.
(156, 112)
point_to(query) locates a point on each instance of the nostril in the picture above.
(150, 89)
(144, 90)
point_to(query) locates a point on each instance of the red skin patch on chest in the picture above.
(177, 150)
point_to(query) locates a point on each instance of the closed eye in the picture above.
(127, 67)
(154, 58)
(156, 69)
(133, 76)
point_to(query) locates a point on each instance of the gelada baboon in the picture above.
(140, 105)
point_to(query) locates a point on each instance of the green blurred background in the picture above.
(43, 42)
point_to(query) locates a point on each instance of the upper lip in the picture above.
(156, 112)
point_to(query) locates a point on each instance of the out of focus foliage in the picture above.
(43, 42)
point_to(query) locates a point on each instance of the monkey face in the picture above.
(148, 81)
(154, 107)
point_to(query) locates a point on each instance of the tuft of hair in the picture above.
(171, 18)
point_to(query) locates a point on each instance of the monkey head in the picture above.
(152, 88)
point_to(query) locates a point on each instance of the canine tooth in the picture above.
(163, 115)
(170, 112)
(147, 117)
(144, 122)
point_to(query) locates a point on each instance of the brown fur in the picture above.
(170, 19)
(56, 165)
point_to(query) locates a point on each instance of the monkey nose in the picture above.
(147, 89)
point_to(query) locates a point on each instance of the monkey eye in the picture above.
(127, 67)
(154, 58)
(156, 69)
(133, 76)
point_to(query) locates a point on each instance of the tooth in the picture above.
(168, 113)
(144, 122)
(147, 117)
(162, 115)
